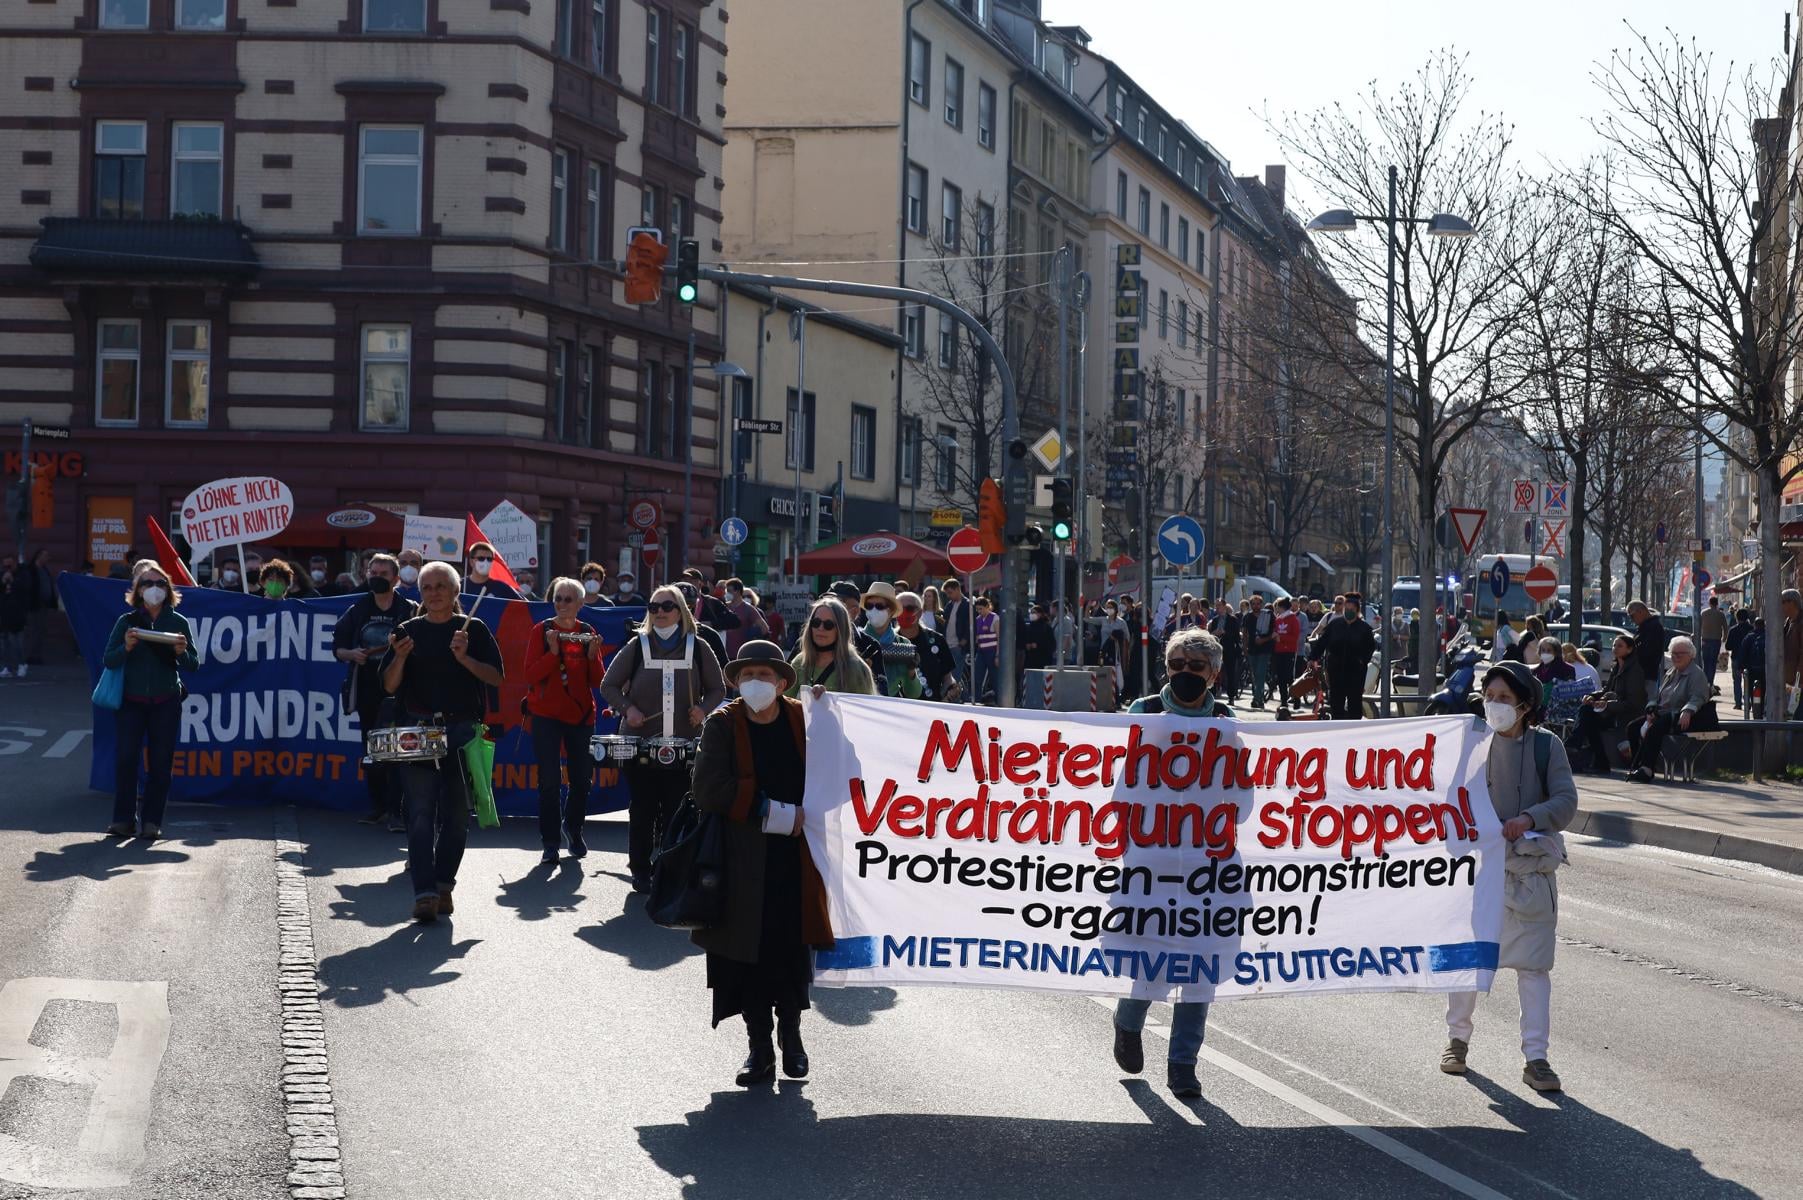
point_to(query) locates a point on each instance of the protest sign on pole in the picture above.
(434, 538)
(1152, 856)
(231, 512)
(513, 534)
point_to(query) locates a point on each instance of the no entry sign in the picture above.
(1541, 584)
(965, 550)
(653, 549)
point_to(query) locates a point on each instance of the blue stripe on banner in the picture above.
(1462, 956)
(852, 953)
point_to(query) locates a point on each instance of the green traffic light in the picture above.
(1061, 531)
(686, 293)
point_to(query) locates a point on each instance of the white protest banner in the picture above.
(230, 512)
(435, 538)
(1153, 856)
(513, 534)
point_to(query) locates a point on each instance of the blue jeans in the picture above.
(438, 821)
(1261, 670)
(1712, 653)
(1189, 1021)
(985, 674)
(136, 723)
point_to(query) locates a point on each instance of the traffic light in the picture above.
(1014, 485)
(992, 517)
(645, 268)
(1062, 514)
(1032, 538)
(688, 270)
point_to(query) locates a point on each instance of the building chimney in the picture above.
(1274, 183)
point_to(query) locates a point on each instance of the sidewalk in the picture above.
(1749, 822)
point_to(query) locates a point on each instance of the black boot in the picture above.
(760, 1064)
(795, 1056)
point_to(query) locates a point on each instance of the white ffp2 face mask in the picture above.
(409, 574)
(758, 693)
(1499, 716)
(1547, 656)
(154, 596)
(877, 616)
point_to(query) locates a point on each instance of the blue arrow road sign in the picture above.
(1499, 579)
(1180, 540)
(733, 531)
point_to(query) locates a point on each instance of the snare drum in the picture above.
(407, 743)
(613, 747)
(668, 751)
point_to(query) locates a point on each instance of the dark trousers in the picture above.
(761, 1022)
(1712, 653)
(380, 778)
(1283, 674)
(549, 736)
(1346, 696)
(136, 724)
(656, 792)
(1646, 747)
(438, 821)
(1589, 731)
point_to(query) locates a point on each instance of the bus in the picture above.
(1515, 601)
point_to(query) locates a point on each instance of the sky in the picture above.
(1218, 64)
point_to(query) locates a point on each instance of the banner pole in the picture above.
(243, 571)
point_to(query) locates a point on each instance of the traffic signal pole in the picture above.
(1013, 581)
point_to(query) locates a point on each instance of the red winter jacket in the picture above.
(567, 695)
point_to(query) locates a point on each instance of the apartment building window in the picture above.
(200, 14)
(1164, 226)
(910, 451)
(1048, 149)
(594, 203)
(1182, 326)
(651, 206)
(125, 14)
(1183, 238)
(801, 425)
(116, 379)
(1201, 249)
(920, 59)
(954, 93)
(561, 162)
(951, 216)
(985, 116)
(1164, 312)
(914, 331)
(119, 169)
(197, 172)
(394, 16)
(389, 178)
(948, 343)
(1145, 212)
(682, 219)
(1139, 125)
(1201, 330)
(985, 229)
(945, 476)
(1117, 105)
(684, 75)
(863, 442)
(1164, 141)
(593, 365)
(559, 389)
(654, 62)
(187, 373)
(566, 28)
(601, 40)
(1120, 194)
(387, 359)
(1048, 246)
(916, 212)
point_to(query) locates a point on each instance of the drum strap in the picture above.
(670, 666)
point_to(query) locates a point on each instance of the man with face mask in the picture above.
(231, 576)
(360, 640)
(481, 558)
(1193, 659)
(594, 585)
(751, 627)
(407, 584)
(938, 668)
(896, 663)
(626, 594)
(1345, 646)
(319, 577)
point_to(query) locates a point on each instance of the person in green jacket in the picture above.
(152, 708)
(826, 657)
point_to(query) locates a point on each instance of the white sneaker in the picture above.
(22, 669)
(7, 672)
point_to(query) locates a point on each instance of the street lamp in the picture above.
(1344, 220)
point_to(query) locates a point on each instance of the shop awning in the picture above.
(90, 248)
(880, 553)
(1326, 567)
(1730, 580)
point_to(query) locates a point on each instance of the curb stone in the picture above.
(1620, 827)
(316, 1172)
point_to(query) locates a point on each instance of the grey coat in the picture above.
(1682, 691)
(1530, 891)
(627, 683)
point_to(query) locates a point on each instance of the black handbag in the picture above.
(688, 873)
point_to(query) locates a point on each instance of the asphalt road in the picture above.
(547, 1041)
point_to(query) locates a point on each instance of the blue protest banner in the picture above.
(262, 722)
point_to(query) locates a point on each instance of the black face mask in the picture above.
(1188, 687)
(379, 586)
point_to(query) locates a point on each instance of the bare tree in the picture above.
(1706, 197)
(1453, 296)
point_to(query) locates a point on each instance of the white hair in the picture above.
(1690, 647)
(1205, 645)
(441, 568)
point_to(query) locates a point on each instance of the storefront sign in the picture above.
(350, 518)
(109, 529)
(873, 547)
(61, 464)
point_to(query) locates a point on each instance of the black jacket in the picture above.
(936, 660)
(1649, 646)
(1039, 648)
(1347, 644)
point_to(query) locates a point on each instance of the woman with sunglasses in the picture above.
(634, 687)
(150, 714)
(1192, 663)
(562, 671)
(827, 660)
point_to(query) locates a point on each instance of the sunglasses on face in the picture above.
(566, 598)
(662, 606)
(823, 623)
(1193, 665)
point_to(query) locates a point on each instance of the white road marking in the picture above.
(64, 746)
(1407, 1155)
(13, 745)
(111, 1144)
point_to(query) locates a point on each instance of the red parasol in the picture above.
(880, 553)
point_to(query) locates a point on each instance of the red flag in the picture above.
(167, 558)
(472, 533)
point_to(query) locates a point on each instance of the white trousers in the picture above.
(1536, 990)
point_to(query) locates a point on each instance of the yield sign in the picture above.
(1468, 523)
(1524, 497)
(1554, 543)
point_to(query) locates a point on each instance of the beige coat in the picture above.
(1530, 887)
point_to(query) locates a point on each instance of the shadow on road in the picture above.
(743, 1145)
(852, 1006)
(381, 902)
(632, 936)
(98, 858)
(547, 888)
(410, 958)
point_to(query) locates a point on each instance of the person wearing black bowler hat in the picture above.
(752, 769)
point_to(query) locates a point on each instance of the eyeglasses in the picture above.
(823, 623)
(1195, 666)
(483, 562)
(662, 606)
(566, 599)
